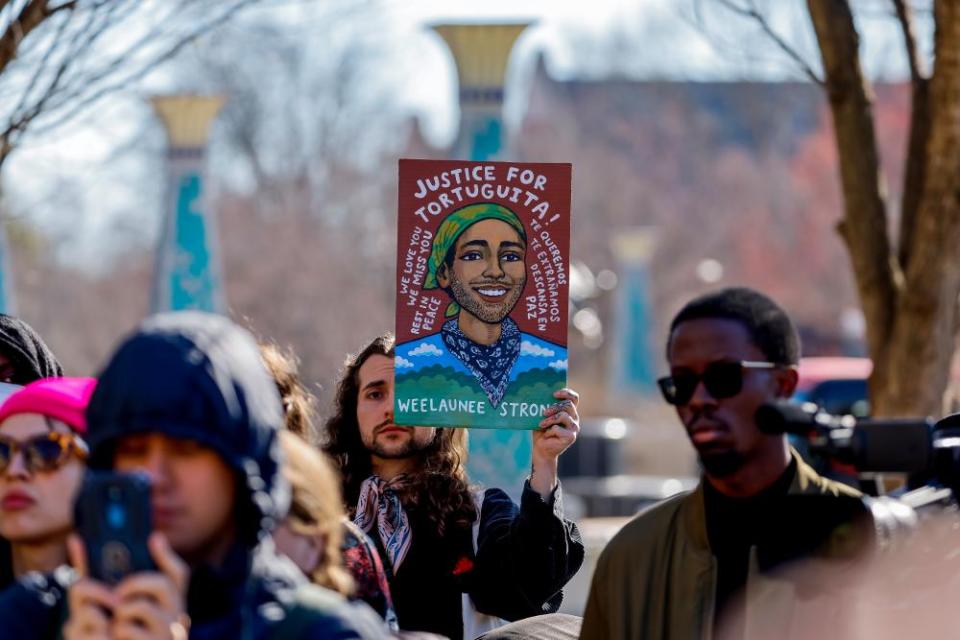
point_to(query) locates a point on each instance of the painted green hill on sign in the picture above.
(441, 396)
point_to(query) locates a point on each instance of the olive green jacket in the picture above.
(657, 577)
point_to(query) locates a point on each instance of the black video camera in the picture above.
(925, 450)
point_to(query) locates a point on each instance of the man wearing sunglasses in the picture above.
(680, 568)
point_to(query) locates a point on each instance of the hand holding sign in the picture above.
(558, 430)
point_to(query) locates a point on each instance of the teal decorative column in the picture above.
(631, 356)
(7, 302)
(498, 458)
(188, 268)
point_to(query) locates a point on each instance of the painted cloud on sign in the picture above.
(527, 348)
(426, 349)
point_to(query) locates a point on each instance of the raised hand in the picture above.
(558, 430)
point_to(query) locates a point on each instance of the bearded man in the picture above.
(460, 561)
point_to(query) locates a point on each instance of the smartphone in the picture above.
(112, 515)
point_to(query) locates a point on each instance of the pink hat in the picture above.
(63, 399)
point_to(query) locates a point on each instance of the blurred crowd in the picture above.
(255, 522)
(191, 490)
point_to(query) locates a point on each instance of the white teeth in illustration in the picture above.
(492, 292)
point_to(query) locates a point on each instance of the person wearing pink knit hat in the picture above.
(42, 454)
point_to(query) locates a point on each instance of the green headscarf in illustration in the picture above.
(451, 228)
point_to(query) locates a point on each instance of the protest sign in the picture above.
(482, 291)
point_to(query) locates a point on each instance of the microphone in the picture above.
(783, 416)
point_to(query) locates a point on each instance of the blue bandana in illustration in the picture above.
(489, 364)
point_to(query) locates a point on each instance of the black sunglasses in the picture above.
(42, 453)
(722, 379)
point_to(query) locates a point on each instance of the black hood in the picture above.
(29, 355)
(197, 376)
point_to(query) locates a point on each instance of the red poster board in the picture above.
(482, 292)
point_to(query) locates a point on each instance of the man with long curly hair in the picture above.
(461, 562)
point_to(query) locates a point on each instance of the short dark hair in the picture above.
(769, 326)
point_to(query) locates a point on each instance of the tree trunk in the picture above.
(910, 304)
(864, 224)
(921, 344)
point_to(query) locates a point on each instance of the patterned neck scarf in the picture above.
(380, 504)
(490, 365)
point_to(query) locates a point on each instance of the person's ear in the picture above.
(787, 381)
(442, 279)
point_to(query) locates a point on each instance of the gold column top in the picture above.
(481, 52)
(187, 118)
(634, 246)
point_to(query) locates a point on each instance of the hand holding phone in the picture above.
(143, 605)
(131, 580)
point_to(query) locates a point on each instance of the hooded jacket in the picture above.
(198, 376)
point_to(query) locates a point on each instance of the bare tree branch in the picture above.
(73, 104)
(751, 11)
(65, 79)
(76, 44)
(915, 170)
(79, 41)
(31, 16)
(41, 68)
(905, 18)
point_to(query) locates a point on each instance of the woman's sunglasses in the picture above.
(44, 452)
(722, 379)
